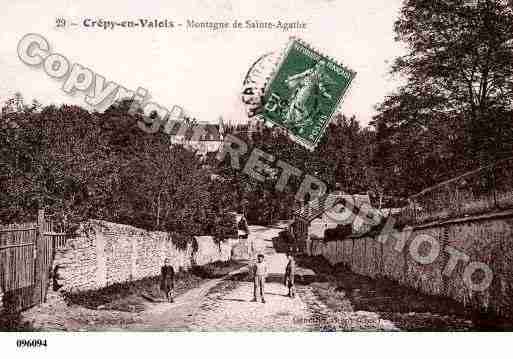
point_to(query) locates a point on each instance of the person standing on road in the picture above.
(259, 275)
(290, 272)
(167, 280)
(290, 240)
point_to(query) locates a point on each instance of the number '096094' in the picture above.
(31, 343)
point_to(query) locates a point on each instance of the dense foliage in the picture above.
(342, 160)
(80, 165)
(452, 113)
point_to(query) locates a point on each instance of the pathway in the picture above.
(327, 300)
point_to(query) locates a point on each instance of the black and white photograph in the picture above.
(171, 169)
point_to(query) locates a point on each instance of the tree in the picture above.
(454, 110)
(343, 158)
(81, 165)
(460, 62)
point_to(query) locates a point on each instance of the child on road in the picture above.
(290, 272)
(259, 275)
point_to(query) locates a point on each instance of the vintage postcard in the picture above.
(305, 92)
(255, 166)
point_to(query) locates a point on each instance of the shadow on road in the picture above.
(217, 269)
(277, 294)
(232, 300)
(14, 323)
(408, 309)
(300, 279)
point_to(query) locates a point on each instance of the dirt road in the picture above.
(325, 302)
(225, 304)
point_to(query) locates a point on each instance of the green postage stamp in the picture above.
(305, 93)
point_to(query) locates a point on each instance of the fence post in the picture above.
(494, 186)
(40, 220)
(38, 272)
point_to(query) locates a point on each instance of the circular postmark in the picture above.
(297, 89)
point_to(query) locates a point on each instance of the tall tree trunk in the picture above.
(158, 210)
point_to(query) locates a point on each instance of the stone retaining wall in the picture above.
(486, 239)
(103, 253)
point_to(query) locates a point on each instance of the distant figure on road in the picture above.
(259, 275)
(290, 272)
(289, 240)
(167, 280)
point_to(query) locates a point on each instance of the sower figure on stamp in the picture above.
(290, 272)
(259, 275)
(167, 280)
(308, 87)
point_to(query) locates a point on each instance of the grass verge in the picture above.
(131, 296)
(127, 297)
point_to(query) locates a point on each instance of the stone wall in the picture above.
(103, 253)
(487, 239)
(243, 250)
(210, 251)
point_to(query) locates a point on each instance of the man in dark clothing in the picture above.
(167, 280)
(290, 272)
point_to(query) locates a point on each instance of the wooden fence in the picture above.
(486, 189)
(26, 256)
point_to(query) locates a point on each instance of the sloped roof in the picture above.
(319, 206)
(211, 132)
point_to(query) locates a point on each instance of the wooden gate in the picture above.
(17, 264)
(26, 258)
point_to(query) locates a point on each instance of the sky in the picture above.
(199, 70)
